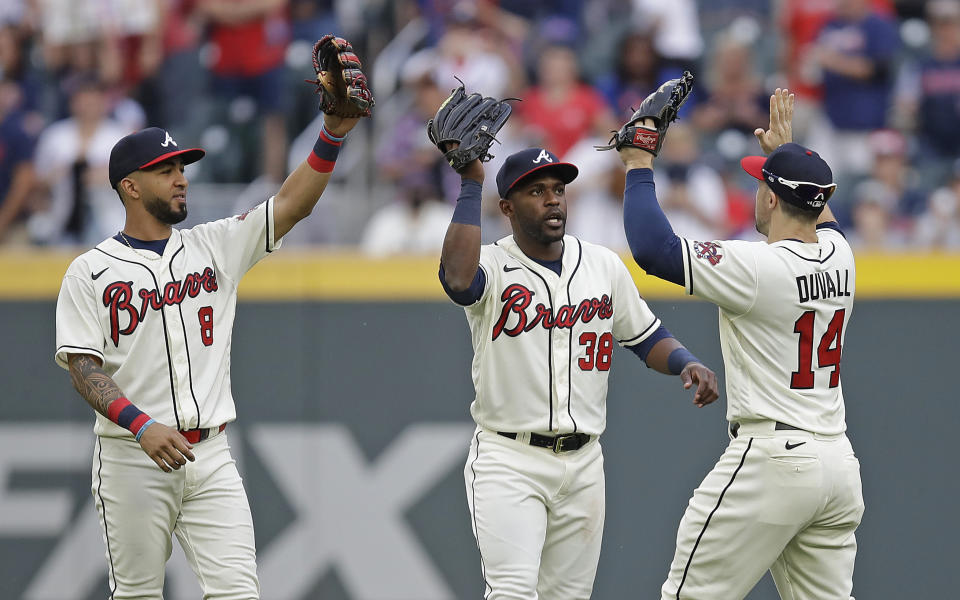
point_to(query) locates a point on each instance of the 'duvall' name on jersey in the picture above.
(822, 285)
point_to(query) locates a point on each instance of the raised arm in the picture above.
(463, 129)
(344, 99)
(164, 445)
(460, 256)
(302, 189)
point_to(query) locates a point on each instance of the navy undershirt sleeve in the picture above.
(471, 294)
(643, 348)
(654, 245)
(832, 225)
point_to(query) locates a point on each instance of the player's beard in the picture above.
(163, 211)
(536, 229)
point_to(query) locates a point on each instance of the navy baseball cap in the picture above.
(795, 173)
(144, 149)
(520, 164)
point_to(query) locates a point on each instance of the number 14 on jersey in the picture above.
(828, 350)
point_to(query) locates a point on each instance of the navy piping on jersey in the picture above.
(686, 257)
(549, 348)
(642, 350)
(833, 248)
(473, 491)
(98, 352)
(106, 527)
(163, 316)
(710, 516)
(640, 335)
(186, 339)
(266, 235)
(570, 338)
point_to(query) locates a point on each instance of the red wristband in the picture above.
(122, 412)
(325, 152)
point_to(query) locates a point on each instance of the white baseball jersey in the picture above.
(543, 342)
(784, 309)
(163, 326)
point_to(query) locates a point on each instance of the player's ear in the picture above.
(506, 207)
(128, 188)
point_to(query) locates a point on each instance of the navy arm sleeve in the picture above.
(643, 348)
(654, 245)
(471, 294)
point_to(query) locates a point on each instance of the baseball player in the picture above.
(545, 310)
(786, 494)
(144, 325)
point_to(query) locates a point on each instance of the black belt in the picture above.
(562, 443)
(778, 426)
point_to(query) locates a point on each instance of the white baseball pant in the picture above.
(537, 517)
(784, 500)
(203, 503)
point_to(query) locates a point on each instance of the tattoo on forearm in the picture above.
(96, 387)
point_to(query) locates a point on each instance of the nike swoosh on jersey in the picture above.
(96, 276)
(790, 446)
(507, 269)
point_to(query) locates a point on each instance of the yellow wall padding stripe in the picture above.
(328, 275)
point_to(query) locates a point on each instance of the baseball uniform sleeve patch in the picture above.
(708, 251)
(725, 272)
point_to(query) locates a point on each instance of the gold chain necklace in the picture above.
(141, 254)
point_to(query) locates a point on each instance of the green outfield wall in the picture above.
(353, 430)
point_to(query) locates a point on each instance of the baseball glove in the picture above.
(470, 120)
(662, 106)
(340, 82)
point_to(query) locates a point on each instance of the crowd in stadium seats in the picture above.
(877, 85)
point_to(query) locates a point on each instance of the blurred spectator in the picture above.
(180, 78)
(875, 223)
(560, 109)
(856, 51)
(735, 98)
(16, 164)
(15, 67)
(465, 53)
(939, 226)
(890, 167)
(677, 36)
(119, 42)
(637, 72)
(595, 197)
(250, 40)
(415, 224)
(405, 157)
(77, 204)
(691, 192)
(929, 90)
(800, 24)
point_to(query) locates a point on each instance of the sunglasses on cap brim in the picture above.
(823, 191)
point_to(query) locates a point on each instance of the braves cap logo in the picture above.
(709, 251)
(168, 140)
(543, 156)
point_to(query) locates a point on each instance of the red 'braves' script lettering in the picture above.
(517, 298)
(118, 297)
